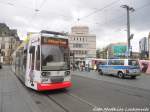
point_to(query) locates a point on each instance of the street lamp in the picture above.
(129, 37)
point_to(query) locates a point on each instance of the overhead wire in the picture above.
(101, 9)
(142, 7)
(137, 10)
(42, 4)
(7, 3)
(90, 14)
(119, 17)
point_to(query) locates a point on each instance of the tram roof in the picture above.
(53, 32)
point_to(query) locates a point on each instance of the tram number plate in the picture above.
(55, 79)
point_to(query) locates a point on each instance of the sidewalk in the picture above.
(13, 94)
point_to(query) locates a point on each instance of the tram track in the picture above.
(61, 100)
(59, 104)
(82, 100)
(75, 100)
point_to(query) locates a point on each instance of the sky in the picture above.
(105, 18)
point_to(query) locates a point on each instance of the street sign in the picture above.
(119, 50)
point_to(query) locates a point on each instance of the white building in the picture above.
(82, 43)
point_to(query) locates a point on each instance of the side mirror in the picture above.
(32, 49)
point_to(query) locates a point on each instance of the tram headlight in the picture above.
(67, 73)
(45, 74)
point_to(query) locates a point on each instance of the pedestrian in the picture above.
(81, 67)
(74, 67)
(71, 66)
(88, 67)
(95, 67)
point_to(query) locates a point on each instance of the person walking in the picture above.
(95, 67)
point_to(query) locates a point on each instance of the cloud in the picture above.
(108, 23)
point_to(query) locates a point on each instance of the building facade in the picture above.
(82, 43)
(135, 55)
(7, 46)
(9, 41)
(143, 48)
(116, 50)
(101, 53)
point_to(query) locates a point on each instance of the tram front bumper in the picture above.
(53, 86)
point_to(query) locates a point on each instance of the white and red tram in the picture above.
(42, 61)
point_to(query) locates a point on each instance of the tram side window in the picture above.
(32, 52)
(38, 58)
(17, 60)
(25, 58)
(21, 61)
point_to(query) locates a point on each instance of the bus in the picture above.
(120, 67)
(42, 61)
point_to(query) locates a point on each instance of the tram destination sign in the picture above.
(55, 41)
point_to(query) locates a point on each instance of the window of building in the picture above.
(79, 52)
(3, 46)
(10, 46)
(85, 52)
(74, 45)
(75, 52)
(3, 53)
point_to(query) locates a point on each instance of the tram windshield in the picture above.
(54, 57)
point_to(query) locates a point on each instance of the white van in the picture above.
(120, 67)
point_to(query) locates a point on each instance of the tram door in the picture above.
(31, 65)
(37, 67)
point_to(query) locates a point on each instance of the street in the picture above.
(89, 90)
